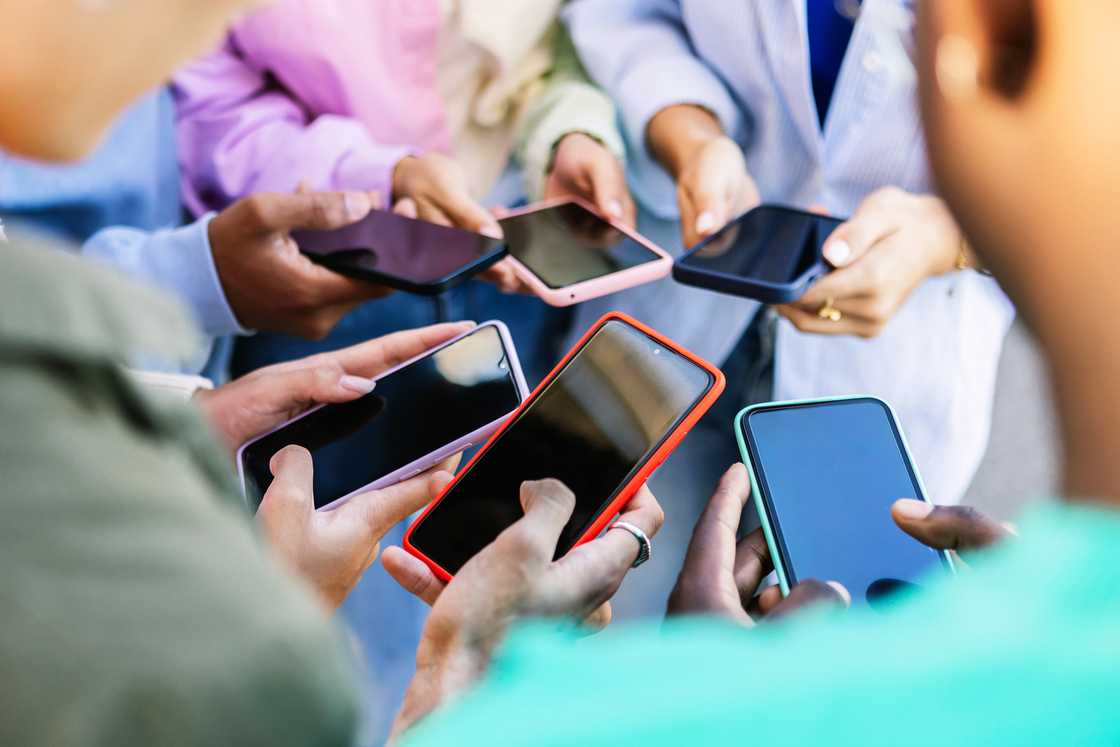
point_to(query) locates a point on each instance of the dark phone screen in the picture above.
(592, 427)
(772, 244)
(391, 245)
(410, 414)
(829, 473)
(569, 244)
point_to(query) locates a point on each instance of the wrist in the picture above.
(443, 671)
(675, 134)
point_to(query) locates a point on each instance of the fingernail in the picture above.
(839, 589)
(357, 205)
(614, 208)
(1011, 528)
(911, 509)
(706, 223)
(838, 253)
(493, 230)
(358, 384)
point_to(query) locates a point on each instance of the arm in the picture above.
(240, 134)
(179, 260)
(570, 103)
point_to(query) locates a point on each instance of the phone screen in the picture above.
(410, 414)
(568, 244)
(828, 473)
(592, 427)
(770, 243)
(392, 246)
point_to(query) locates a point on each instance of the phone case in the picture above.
(760, 290)
(431, 460)
(668, 445)
(617, 281)
(756, 495)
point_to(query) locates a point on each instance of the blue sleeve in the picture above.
(639, 51)
(178, 260)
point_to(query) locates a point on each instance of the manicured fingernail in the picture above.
(493, 230)
(839, 589)
(1011, 528)
(357, 205)
(614, 208)
(911, 509)
(838, 253)
(706, 223)
(358, 384)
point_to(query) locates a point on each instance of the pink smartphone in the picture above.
(420, 413)
(567, 253)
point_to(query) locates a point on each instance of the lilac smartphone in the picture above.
(404, 253)
(418, 414)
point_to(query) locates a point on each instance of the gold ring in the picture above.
(830, 312)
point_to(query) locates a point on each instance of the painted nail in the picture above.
(912, 509)
(358, 384)
(706, 223)
(614, 208)
(838, 253)
(357, 205)
(493, 230)
(839, 589)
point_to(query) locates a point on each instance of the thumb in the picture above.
(959, 528)
(291, 495)
(855, 237)
(383, 509)
(548, 506)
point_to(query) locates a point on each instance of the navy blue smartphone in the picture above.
(771, 254)
(824, 474)
(403, 253)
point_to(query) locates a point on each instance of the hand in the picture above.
(713, 184)
(583, 167)
(515, 577)
(264, 399)
(894, 241)
(954, 528)
(720, 576)
(269, 284)
(331, 550)
(433, 187)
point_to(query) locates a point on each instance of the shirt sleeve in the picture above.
(240, 133)
(179, 260)
(639, 51)
(569, 103)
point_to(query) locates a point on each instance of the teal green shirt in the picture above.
(1024, 648)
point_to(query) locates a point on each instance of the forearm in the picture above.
(676, 132)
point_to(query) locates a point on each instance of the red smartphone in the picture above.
(605, 418)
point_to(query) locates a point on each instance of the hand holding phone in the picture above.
(824, 475)
(600, 423)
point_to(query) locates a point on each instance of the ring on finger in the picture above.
(645, 549)
(829, 312)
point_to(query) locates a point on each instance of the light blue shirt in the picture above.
(747, 61)
(122, 204)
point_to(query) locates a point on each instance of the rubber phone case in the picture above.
(664, 449)
(764, 517)
(430, 460)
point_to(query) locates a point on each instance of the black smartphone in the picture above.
(602, 421)
(403, 253)
(771, 254)
(825, 474)
(418, 414)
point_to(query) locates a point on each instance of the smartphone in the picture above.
(403, 253)
(771, 254)
(567, 253)
(601, 423)
(419, 414)
(824, 474)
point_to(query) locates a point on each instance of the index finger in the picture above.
(711, 552)
(320, 211)
(377, 356)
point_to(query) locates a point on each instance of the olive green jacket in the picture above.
(137, 606)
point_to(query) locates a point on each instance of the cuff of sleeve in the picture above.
(201, 284)
(579, 108)
(669, 80)
(371, 170)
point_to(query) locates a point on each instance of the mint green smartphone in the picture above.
(824, 473)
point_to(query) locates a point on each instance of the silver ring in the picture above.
(645, 549)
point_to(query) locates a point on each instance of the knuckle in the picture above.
(256, 209)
